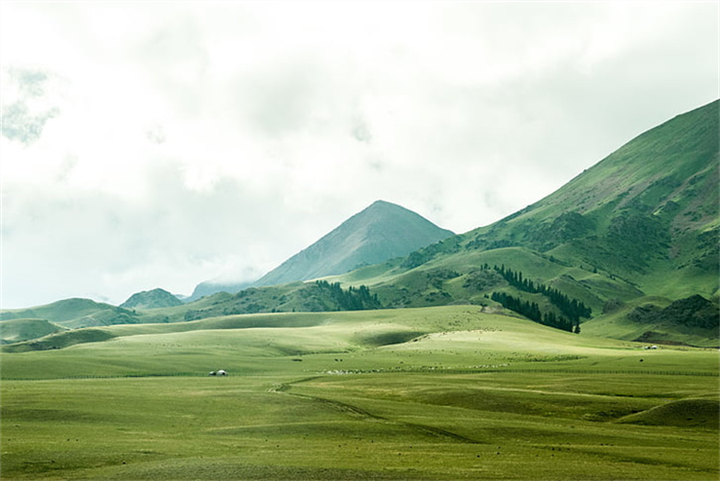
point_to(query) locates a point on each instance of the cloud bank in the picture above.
(163, 144)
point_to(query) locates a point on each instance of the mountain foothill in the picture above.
(628, 249)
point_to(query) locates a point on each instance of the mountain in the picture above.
(380, 232)
(74, 313)
(211, 287)
(628, 249)
(640, 227)
(153, 299)
(647, 211)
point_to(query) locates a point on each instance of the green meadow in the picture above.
(448, 393)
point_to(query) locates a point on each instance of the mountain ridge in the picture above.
(379, 232)
(638, 229)
(640, 225)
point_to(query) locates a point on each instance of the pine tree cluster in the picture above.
(352, 299)
(531, 310)
(572, 309)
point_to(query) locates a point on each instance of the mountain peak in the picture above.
(383, 203)
(151, 300)
(380, 232)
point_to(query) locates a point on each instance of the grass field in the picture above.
(436, 393)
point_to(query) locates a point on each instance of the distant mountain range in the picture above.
(380, 232)
(630, 246)
(639, 228)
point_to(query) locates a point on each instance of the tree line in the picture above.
(352, 299)
(572, 309)
(532, 311)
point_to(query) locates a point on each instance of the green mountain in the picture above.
(639, 227)
(628, 249)
(18, 330)
(380, 232)
(74, 313)
(153, 299)
(648, 212)
(635, 233)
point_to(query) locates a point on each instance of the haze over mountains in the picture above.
(627, 238)
(380, 232)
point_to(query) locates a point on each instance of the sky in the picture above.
(162, 144)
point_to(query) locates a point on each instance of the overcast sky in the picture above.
(163, 144)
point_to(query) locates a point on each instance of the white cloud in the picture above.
(178, 142)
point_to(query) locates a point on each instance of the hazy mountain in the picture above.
(153, 299)
(211, 287)
(380, 232)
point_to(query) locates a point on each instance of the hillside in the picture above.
(74, 313)
(612, 250)
(650, 208)
(639, 227)
(18, 330)
(153, 299)
(380, 232)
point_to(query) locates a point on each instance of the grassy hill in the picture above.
(641, 226)
(18, 330)
(74, 313)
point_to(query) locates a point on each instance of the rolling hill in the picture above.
(448, 393)
(648, 212)
(19, 330)
(74, 313)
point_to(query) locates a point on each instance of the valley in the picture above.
(575, 339)
(429, 393)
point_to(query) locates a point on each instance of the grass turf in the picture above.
(443, 393)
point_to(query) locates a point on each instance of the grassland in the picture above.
(434, 393)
